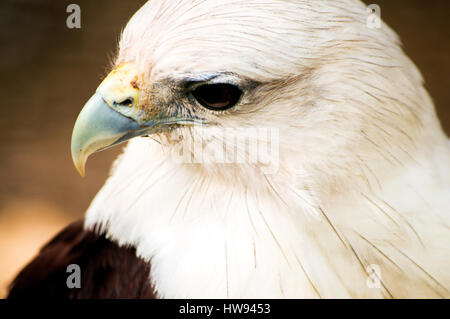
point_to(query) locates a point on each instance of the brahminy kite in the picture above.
(278, 149)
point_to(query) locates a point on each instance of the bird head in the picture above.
(343, 97)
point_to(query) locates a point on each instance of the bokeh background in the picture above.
(47, 73)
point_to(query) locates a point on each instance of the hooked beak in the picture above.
(112, 116)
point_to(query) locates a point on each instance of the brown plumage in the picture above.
(351, 201)
(107, 270)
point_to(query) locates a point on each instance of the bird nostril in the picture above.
(127, 102)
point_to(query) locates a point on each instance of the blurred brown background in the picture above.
(47, 73)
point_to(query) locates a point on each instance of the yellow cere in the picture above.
(120, 86)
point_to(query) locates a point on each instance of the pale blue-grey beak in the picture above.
(99, 127)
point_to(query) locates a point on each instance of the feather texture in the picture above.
(363, 176)
(362, 185)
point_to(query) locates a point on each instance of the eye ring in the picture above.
(217, 96)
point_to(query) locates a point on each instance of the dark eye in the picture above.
(218, 96)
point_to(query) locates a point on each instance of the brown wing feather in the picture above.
(107, 270)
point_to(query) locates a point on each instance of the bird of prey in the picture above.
(356, 203)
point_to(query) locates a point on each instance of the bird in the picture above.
(349, 199)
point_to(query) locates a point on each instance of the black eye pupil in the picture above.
(217, 96)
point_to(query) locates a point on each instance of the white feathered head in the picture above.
(314, 72)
